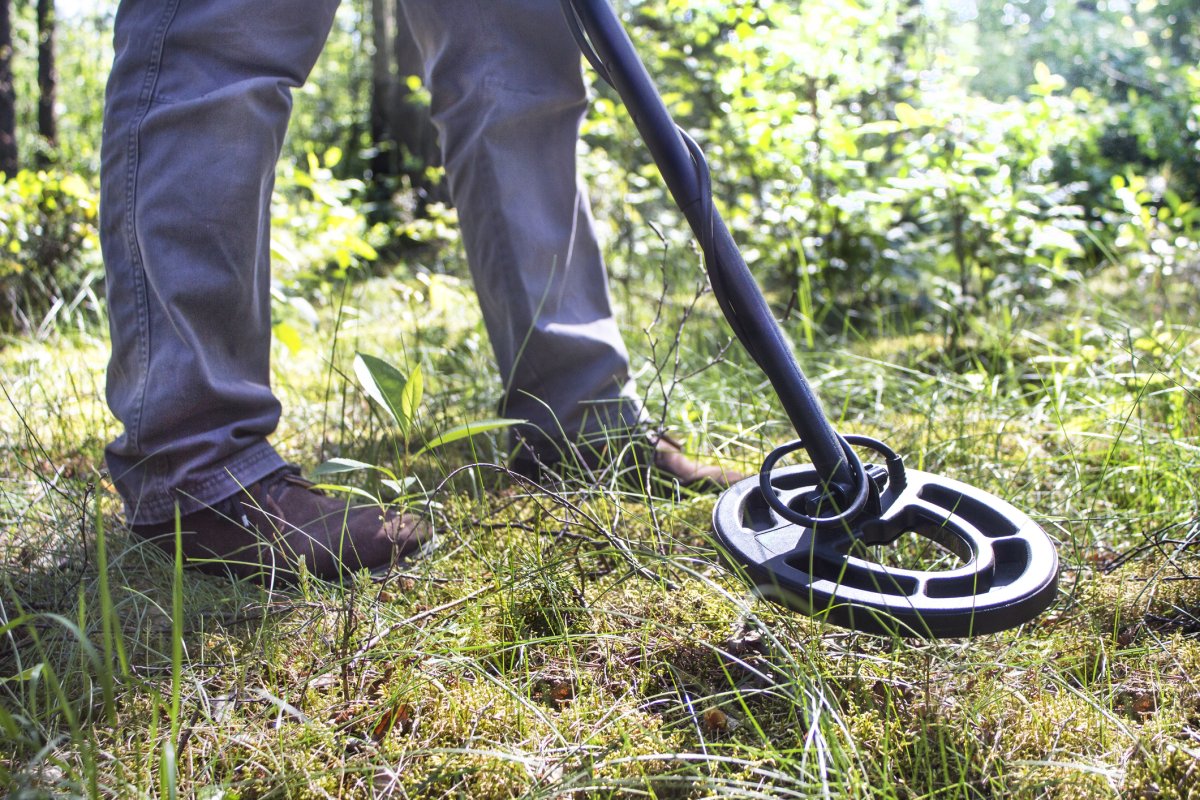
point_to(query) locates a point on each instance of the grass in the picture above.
(586, 643)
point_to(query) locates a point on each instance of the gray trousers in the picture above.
(197, 106)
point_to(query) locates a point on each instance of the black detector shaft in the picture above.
(803, 536)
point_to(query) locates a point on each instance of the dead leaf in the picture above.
(716, 720)
(562, 692)
(399, 716)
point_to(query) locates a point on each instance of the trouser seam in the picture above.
(150, 81)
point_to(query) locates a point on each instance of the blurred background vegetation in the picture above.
(878, 159)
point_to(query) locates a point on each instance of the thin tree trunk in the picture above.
(47, 73)
(383, 81)
(411, 123)
(401, 129)
(8, 98)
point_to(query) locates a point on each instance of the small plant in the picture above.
(400, 398)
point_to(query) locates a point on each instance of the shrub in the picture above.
(49, 251)
(852, 161)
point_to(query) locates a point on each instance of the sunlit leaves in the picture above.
(319, 229)
(842, 140)
(49, 250)
(398, 396)
(1045, 81)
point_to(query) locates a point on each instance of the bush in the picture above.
(1157, 231)
(321, 226)
(852, 161)
(49, 251)
(322, 235)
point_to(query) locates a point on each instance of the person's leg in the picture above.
(197, 106)
(508, 98)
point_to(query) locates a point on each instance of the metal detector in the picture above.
(804, 536)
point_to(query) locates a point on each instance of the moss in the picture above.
(1164, 771)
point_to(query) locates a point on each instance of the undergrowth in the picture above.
(585, 642)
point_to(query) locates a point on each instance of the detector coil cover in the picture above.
(1009, 574)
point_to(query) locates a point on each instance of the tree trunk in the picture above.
(401, 129)
(47, 74)
(383, 81)
(8, 97)
(411, 121)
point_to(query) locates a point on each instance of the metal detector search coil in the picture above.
(1009, 575)
(801, 535)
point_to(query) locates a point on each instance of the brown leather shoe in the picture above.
(265, 530)
(643, 461)
(672, 464)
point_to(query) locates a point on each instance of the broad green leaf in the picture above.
(908, 116)
(1041, 72)
(363, 249)
(389, 388)
(410, 397)
(32, 673)
(1046, 80)
(468, 430)
(366, 376)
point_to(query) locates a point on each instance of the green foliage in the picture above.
(1138, 55)
(318, 232)
(400, 398)
(853, 162)
(891, 155)
(1157, 231)
(321, 232)
(49, 250)
(967, 200)
(322, 236)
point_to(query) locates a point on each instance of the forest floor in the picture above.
(572, 640)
